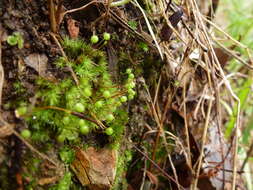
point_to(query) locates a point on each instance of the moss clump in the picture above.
(120, 182)
(64, 183)
(63, 108)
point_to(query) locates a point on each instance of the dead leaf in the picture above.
(174, 19)
(5, 131)
(153, 179)
(95, 168)
(48, 180)
(38, 62)
(72, 28)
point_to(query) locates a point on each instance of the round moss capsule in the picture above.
(12, 40)
(110, 117)
(61, 138)
(109, 131)
(129, 71)
(130, 97)
(79, 107)
(81, 122)
(21, 111)
(106, 94)
(132, 84)
(131, 92)
(26, 133)
(94, 39)
(99, 104)
(106, 36)
(87, 92)
(131, 76)
(123, 99)
(84, 129)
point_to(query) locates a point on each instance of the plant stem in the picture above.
(119, 3)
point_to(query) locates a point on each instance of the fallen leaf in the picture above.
(72, 28)
(38, 62)
(95, 168)
(153, 179)
(48, 180)
(174, 19)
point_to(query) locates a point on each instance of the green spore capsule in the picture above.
(84, 129)
(26, 133)
(106, 94)
(87, 92)
(94, 39)
(99, 104)
(110, 117)
(109, 131)
(79, 107)
(123, 99)
(61, 138)
(106, 36)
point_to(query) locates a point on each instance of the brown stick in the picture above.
(52, 19)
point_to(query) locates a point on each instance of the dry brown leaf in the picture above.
(48, 180)
(38, 62)
(153, 179)
(95, 168)
(72, 28)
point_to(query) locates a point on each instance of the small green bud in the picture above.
(129, 71)
(110, 117)
(81, 122)
(106, 94)
(99, 104)
(123, 99)
(26, 133)
(131, 92)
(130, 97)
(21, 111)
(131, 76)
(106, 36)
(109, 131)
(87, 92)
(61, 138)
(132, 84)
(94, 39)
(12, 40)
(79, 107)
(84, 129)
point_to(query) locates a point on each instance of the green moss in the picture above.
(16, 39)
(63, 107)
(120, 182)
(60, 100)
(64, 183)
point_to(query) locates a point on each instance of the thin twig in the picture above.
(80, 8)
(1, 68)
(43, 156)
(157, 166)
(149, 28)
(203, 141)
(247, 156)
(65, 56)
(229, 52)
